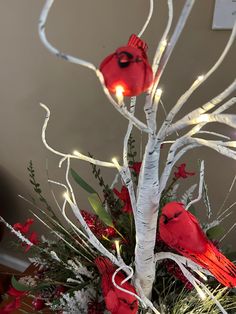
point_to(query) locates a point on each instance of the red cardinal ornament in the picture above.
(180, 230)
(117, 301)
(128, 68)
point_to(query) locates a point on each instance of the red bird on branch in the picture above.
(117, 301)
(180, 230)
(128, 68)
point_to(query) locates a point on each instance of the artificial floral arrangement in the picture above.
(139, 248)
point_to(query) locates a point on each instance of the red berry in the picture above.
(38, 304)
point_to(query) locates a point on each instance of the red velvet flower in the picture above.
(15, 293)
(25, 227)
(33, 239)
(136, 167)
(124, 197)
(117, 301)
(182, 173)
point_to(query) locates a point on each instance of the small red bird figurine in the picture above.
(128, 68)
(180, 230)
(117, 301)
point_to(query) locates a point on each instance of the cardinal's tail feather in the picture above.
(135, 41)
(104, 265)
(220, 267)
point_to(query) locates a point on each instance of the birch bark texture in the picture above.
(145, 200)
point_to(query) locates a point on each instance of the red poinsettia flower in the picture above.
(25, 227)
(10, 307)
(15, 293)
(182, 173)
(136, 167)
(33, 239)
(123, 195)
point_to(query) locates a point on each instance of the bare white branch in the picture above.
(148, 19)
(53, 50)
(201, 180)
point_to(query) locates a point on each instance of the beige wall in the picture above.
(81, 116)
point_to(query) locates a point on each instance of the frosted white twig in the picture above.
(222, 216)
(17, 233)
(230, 229)
(53, 50)
(201, 180)
(148, 19)
(226, 198)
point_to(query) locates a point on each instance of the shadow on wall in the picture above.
(7, 198)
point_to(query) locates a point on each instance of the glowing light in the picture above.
(115, 162)
(201, 275)
(119, 93)
(66, 196)
(159, 92)
(76, 153)
(203, 118)
(200, 78)
(117, 244)
(200, 292)
(163, 45)
(158, 95)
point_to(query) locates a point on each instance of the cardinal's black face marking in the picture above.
(177, 214)
(124, 59)
(166, 219)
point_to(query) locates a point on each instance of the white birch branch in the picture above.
(182, 262)
(128, 132)
(197, 83)
(53, 50)
(163, 42)
(177, 32)
(148, 19)
(121, 108)
(228, 119)
(201, 180)
(222, 108)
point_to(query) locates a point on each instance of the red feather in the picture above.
(180, 230)
(128, 67)
(117, 301)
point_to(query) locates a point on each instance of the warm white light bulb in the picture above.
(200, 78)
(201, 275)
(159, 92)
(66, 196)
(203, 118)
(201, 292)
(117, 244)
(119, 93)
(115, 162)
(75, 152)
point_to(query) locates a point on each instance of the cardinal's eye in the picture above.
(124, 59)
(166, 219)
